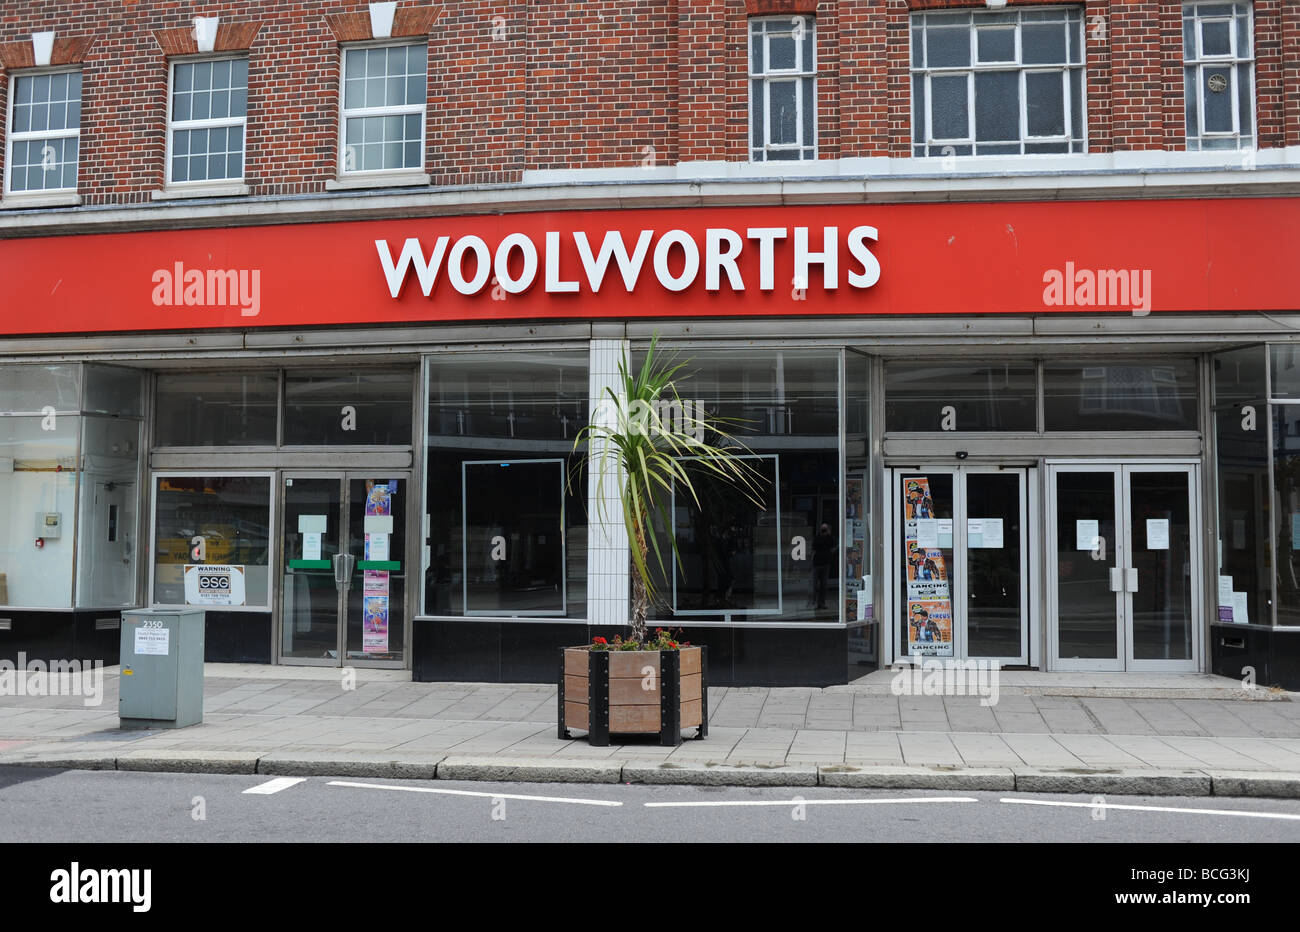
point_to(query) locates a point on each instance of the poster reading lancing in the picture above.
(929, 603)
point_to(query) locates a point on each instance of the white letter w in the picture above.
(411, 256)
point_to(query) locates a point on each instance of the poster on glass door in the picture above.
(929, 602)
(374, 602)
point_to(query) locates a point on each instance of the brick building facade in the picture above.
(304, 293)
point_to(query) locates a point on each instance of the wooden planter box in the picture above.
(633, 692)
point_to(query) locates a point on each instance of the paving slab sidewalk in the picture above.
(1184, 735)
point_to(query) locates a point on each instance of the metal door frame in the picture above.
(344, 476)
(1121, 558)
(896, 651)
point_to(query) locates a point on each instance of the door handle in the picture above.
(1131, 579)
(1116, 579)
(344, 564)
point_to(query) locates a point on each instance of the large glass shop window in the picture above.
(506, 527)
(778, 559)
(212, 541)
(53, 455)
(1244, 583)
(216, 409)
(968, 397)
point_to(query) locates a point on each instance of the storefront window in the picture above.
(974, 397)
(1106, 395)
(216, 409)
(51, 458)
(1285, 364)
(38, 488)
(778, 560)
(507, 520)
(1286, 492)
(39, 389)
(859, 609)
(347, 408)
(220, 525)
(1244, 583)
(107, 538)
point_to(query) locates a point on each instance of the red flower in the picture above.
(599, 641)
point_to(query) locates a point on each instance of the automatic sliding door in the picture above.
(1161, 597)
(1085, 590)
(996, 567)
(309, 625)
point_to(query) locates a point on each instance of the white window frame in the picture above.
(1022, 70)
(415, 172)
(224, 122)
(800, 73)
(1233, 61)
(11, 136)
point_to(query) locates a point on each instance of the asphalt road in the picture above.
(115, 806)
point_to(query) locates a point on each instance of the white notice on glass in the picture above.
(1086, 534)
(1239, 608)
(311, 524)
(379, 524)
(1157, 533)
(984, 532)
(927, 532)
(1225, 591)
(311, 546)
(152, 641)
(377, 546)
(945, 533)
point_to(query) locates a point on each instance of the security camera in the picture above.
(962, 454)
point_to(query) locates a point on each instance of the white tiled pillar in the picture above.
(607, 551)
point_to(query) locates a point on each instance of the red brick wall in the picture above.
(546, 84)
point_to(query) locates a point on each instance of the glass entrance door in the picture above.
(1127, 568)
(343, 589)
(960, 550)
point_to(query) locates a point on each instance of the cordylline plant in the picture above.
(644, 435)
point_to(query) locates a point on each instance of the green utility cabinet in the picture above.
(161, 685)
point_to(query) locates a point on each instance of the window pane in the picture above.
(30, 389)
(1076, 104)
(1045, 104)
(947, 47)
(232, 516)
(1286, 371)
(1042, 44)
(1245, 103)
(784, 118)
(757, 107)
(918, 108)
(107, 545)
(997, 105)
(773, 396)
(950, 116)
(1216, 38)
(983, 396)
(368, 408)
(996, 44)
(1217, 88)
(781, 49)
(756, 51)
(522, 410)
(41, 481)
(217, 408)
(1120, 396)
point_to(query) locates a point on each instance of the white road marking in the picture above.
(817, 802)
(275, 786)
(1225, 812)
(429, 789)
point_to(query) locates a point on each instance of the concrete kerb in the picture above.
(486, 768)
